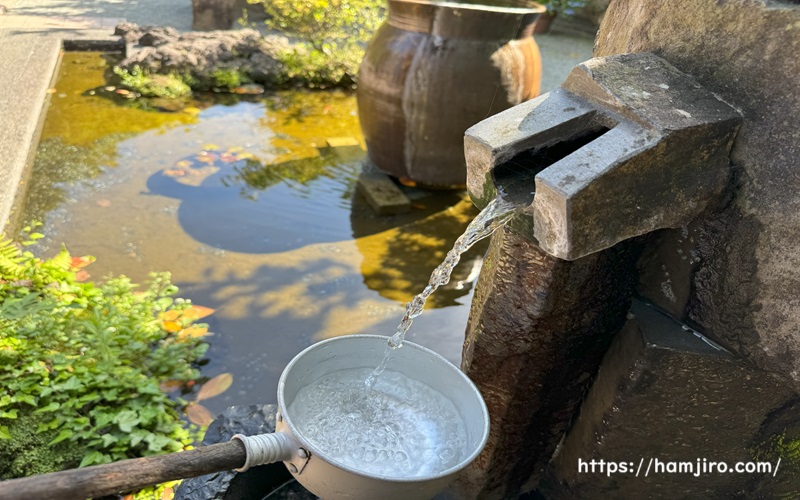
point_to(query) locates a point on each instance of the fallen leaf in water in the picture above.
(51, 91)
(198, 175)
(228, 158)
(183, 164)
(206, 158)
(210, 147)
(235, 149)
(81, 262)
(191, 110)
(170, 385)
(245, 156)
(250, 88)
(82, 276)
(199, 414)
(171, 315)
(194, 312)
(168, 494)
(215, 386)
(110, 88)
(172, 326)
(175, 172)
(104, 203)
(123, 92)
(193, 332)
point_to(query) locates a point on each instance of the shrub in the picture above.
(156, 85)
(227, 78)
(332, 34)
(82, 364)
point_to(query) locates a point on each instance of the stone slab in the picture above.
(27, 65)
(665, 392)
(340, 142)
(381, 192)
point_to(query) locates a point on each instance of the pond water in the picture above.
(239, 200)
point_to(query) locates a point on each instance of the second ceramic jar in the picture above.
(434, 69)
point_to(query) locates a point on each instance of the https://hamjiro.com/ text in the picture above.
(645, 467)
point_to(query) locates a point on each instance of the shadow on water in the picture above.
(236, 209)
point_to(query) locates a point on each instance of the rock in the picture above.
(740, 266)
(200, 54)
(231, 485)
(665, 393)
(536, 334)
(381, 192)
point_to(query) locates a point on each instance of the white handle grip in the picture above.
(266, 448)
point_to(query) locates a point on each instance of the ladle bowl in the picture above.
(327, 478)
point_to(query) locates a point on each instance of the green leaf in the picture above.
(11, 414)
(126, 420)
(157, 442)
(26, 398)
(93, 457)
(4, 434)
(108, 440)
(64, 434)
(138, 435)
(50, 407)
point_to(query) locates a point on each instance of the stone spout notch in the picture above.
(627, 145)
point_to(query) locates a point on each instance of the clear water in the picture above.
(491, 218)
(280, 244)
(401, 428)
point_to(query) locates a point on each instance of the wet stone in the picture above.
(231, 485)
(383, 195)
(664, 392)
(536, 335)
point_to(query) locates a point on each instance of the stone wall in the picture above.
(735, 274)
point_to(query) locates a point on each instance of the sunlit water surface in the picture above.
(240, 201)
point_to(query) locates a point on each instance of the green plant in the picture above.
(228, 78)
(156, 85)
(332, 36)
(83, 363)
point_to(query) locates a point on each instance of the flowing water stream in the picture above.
(396, 426)
(491, 218)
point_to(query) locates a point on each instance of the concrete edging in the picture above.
(28, 68)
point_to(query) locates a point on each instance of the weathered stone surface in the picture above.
(745, 272)
(537, 331)
(628, 145)
(381, 192)
(667, 393)
(231, 485)
(164, 50)
(212, 14)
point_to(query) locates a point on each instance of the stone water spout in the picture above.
(628, 145)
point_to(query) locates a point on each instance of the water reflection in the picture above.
(251, 207)
(398, 260)
(264, 225)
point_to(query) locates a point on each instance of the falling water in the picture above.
(491, 218)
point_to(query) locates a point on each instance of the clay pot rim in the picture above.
(534, 7)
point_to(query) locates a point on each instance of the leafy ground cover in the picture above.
(86, 368)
